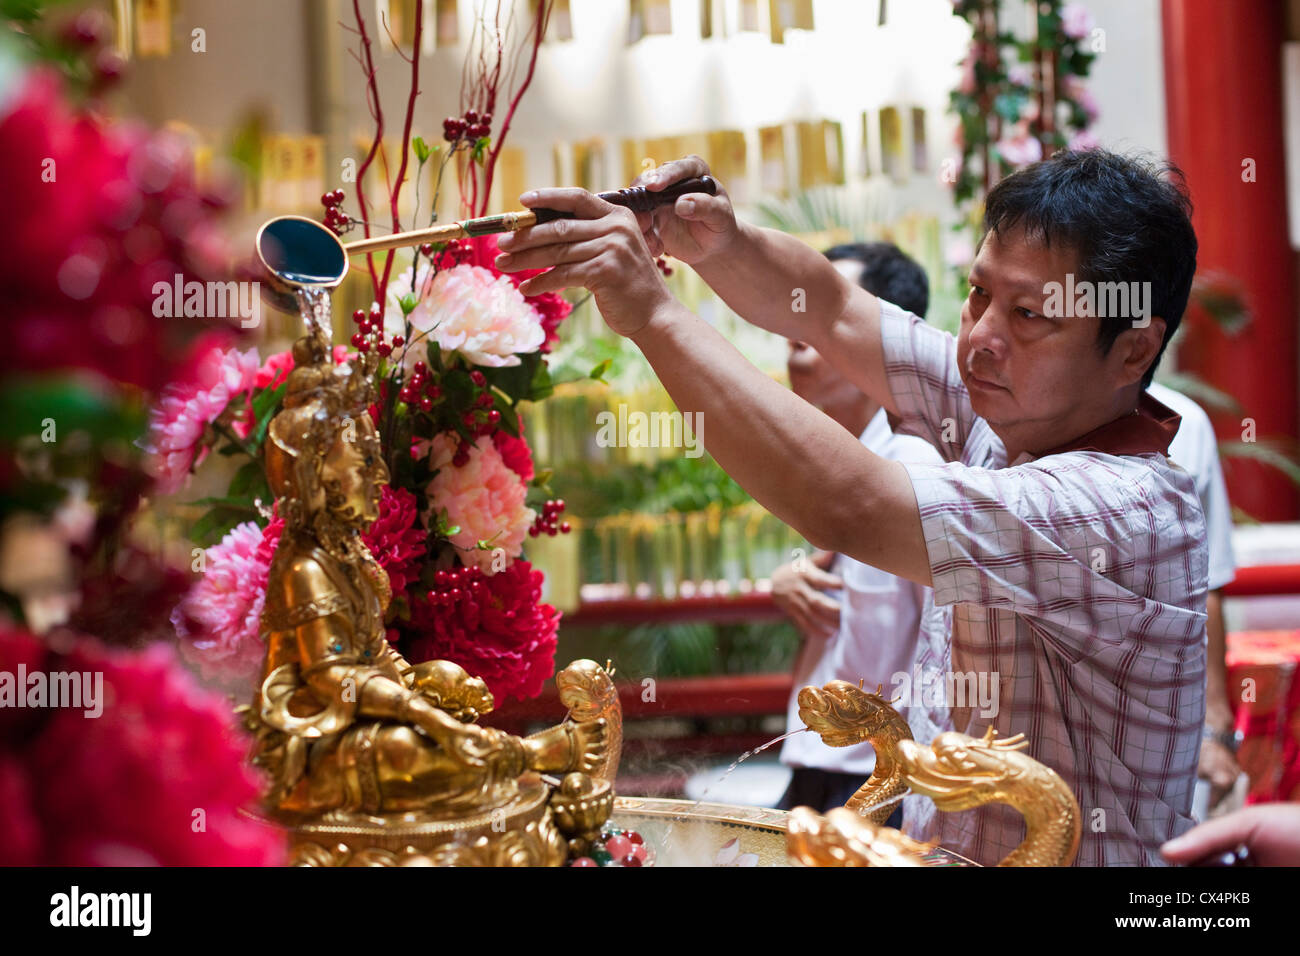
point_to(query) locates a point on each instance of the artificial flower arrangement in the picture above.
(1018, 99)
(460, 349)
(155, 773)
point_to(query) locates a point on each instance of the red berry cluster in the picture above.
(546, 520)
(370, 332)
(481, 419)
(459, 251)
(335, 218)
(452, 587)
(664, 267)
(420, 391)
(89, 32)
(469, 127)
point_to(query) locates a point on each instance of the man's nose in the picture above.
(988, 332)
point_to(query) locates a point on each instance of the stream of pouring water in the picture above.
(741, 759)
(862, 812)
(738, 761)
(314, 307)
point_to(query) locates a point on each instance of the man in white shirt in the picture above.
(1195, 448)
(869, 630)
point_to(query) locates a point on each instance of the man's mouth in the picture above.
(984, 383)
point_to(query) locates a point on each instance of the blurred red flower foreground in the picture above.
(155, 779)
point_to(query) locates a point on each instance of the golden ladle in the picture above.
(295, 252)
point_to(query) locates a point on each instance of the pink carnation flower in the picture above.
(219, 619)
(1076, 21)
(178, 421)
(1084, 139)
(470, 310)
(1078, 91)
(1020, 149)
(484, 498)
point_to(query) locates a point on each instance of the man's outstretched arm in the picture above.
(769, 279)
(794, 460)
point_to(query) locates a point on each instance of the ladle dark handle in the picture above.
(640, 199)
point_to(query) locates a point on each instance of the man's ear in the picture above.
(1136, 349)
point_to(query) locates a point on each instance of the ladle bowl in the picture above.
(295, 252)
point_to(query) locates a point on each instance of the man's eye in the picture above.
(1029, 313)
(978, 290)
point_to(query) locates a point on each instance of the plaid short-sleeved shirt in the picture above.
(1079, 580)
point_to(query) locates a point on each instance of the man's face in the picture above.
(1031, 377)
(811, 376)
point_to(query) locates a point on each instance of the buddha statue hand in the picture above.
(571, 746)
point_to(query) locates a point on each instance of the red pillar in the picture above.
(1223, 103)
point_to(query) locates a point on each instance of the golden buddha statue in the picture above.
(373, 759)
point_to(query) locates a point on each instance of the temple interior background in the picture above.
(831, 119)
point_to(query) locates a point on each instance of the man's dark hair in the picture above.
(887, 272)
(1127, 218)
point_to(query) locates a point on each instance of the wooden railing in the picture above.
(746, 694)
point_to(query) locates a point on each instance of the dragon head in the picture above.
(843, 838)
(844, 714)
(959, 772)
(586, 688)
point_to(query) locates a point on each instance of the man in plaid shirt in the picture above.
(1071, 549)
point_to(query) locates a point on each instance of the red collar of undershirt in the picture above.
(1147, 430)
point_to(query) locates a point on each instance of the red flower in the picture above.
(503, 635)
(396, 539)
(515, 452)
(115, 212)
(157, 777)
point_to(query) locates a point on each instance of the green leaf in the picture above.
(541, 386)
(480, 147)
(1009, 106)
(408, 303)
(509, 418)
(421, 148)
(268, 399)
(1266, 453)
(598, 373)
(245, 480)
(72, 405)
(214, 525)
(266, 404)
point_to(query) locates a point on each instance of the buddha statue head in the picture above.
(323, 457)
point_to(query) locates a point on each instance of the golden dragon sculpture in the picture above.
(588, 690)
(843, 838)
(844, 714)
(959, 772)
